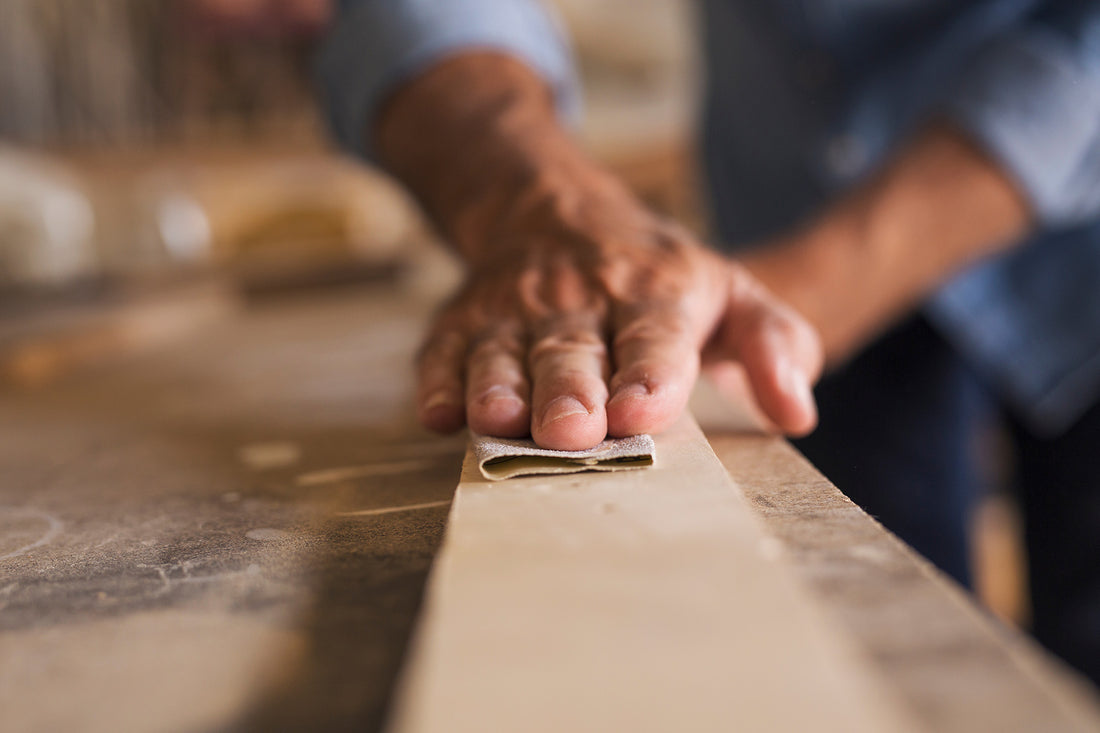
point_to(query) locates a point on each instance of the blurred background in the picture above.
(145, 138)
(171, 154)
(164, 162)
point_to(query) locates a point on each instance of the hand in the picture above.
(583, 314)
(587, 317)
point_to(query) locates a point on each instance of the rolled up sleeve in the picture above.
(1032, 99)
(374, 45)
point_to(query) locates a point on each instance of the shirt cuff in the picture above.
(1033, 103)
(374, 45)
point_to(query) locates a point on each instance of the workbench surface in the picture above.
(233, 533)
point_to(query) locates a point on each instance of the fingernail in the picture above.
(440, 399)
(793, 381)
(629, 392)
(561, 407)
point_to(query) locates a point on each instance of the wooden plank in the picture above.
(955, 667)
(635, 601)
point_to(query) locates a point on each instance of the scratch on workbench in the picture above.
(252, 571)
(167, 584)
(166, 571)
(106, 542)
(53, 528)
(344, 473)
(392, 509)
(268, 455)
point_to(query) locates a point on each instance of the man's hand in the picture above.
(583, 314)
(589, 320)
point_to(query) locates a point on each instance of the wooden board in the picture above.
(635, 601)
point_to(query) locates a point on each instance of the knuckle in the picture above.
(674, 243)
(498, 339)
(566, 343)
(441, 345)
(646, 370)
(498, 369)
(486, 391)
(654, 327)
(781, 324)
(787, 324)
(655, 374)
(443, 340)
(584, 385)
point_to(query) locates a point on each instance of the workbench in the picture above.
(233, 532)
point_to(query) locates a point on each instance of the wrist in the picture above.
(477, 140)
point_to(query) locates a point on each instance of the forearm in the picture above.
(477, 139)
(939, 206)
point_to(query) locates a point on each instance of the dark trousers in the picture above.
(901, 433)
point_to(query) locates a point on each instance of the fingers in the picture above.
(441, 368)
(484, 382)
(568, 366)
(781, 384)
(547, 374)
(497, 390)
(780, 352)
(657, 359)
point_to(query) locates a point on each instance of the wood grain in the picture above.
(955, 667)
(635, 601)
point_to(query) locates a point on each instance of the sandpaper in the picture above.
(503, 458)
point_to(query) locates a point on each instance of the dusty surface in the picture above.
(173, 554)
(232, 533)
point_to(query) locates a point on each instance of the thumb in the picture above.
(780, 353)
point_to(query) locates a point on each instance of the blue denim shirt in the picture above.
(806, 97)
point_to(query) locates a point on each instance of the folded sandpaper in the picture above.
(503, 458)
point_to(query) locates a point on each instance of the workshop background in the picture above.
(164, 162)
